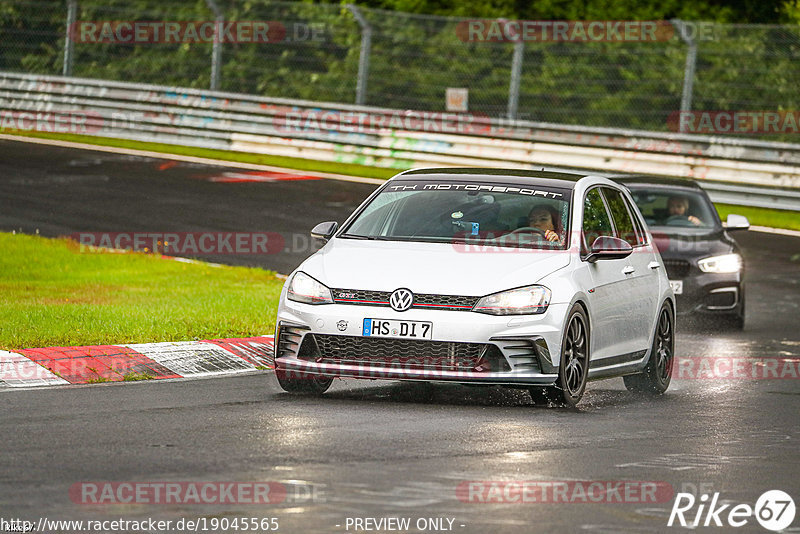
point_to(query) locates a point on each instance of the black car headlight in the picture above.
(726, 263)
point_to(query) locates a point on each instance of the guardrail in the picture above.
(389, 137)
(753, 196)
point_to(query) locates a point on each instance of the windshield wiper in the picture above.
(356, 236)
(421, 239)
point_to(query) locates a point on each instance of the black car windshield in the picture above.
(675, 208)
(450, 211)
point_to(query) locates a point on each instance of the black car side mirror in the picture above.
(324, 230)
(609, 248)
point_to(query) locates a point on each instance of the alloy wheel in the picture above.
(575, 356)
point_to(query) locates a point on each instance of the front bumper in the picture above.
(711, 293)
(506, 350)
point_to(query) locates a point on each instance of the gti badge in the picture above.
(401, 299)
(342, 326)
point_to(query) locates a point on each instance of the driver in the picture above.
(545, 218)
(678, 206)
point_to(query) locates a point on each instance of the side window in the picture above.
(622, 219)
(641, 234)
(596, 221)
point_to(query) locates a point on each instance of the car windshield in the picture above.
(500, 214)
(675, 208)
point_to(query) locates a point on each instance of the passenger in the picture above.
(546, 218)
(678, 206)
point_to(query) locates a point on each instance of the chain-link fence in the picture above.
(348, 54)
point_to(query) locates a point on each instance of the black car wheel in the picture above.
(574, 366)
(657, 375)
(306, 383)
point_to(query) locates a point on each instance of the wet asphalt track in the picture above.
(376, 449)
(60, 191)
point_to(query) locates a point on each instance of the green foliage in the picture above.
(739, 11)
(762, 216)
(415, 56)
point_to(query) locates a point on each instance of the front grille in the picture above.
(421, 301)
(677, 269)
(404, 353)
(450, 301)
(360, 296)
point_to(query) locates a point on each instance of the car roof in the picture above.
(513, 176)
(662, 181)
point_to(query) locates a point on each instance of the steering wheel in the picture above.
(529, 230)
(678, 220)
(524, 230)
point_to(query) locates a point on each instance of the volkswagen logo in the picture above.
(401, 299)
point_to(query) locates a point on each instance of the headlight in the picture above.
(303, 288)
(522, 301)
(727, 263)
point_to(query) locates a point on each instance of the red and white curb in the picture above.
(55, 366)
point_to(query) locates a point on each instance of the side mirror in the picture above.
(609, 248)
(324, 230)
(737, 222)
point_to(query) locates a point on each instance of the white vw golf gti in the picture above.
(528, 279)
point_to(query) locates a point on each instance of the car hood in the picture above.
(692, 244)
(434, 268)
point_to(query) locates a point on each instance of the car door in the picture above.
(641, 278)
(607, 287)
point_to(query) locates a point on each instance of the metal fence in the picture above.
(348, 54)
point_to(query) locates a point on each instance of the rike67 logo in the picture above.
(774, 510)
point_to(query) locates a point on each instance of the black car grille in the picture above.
(677, 269)
(402, 353)
(422, 301)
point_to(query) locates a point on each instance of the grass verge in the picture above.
(135, 377)
(762, 216)
(53, 295)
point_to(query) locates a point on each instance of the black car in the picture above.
(704, 264)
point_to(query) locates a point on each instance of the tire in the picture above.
(657, 375)
(307, 384)
(574, 365)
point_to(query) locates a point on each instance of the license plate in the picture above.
(395, 328)
(677, 286)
